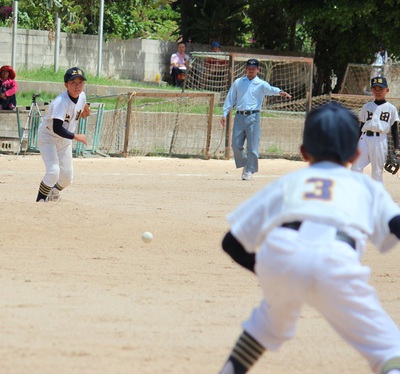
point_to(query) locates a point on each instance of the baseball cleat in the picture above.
(54, 195)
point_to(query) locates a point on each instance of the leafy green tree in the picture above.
(125, 19)
(150, 19)
(338, 32)
(203, 21)
(40, 15)
(278, 16)
(348, 32)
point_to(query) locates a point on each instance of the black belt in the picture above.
(371, 133)
(340, 235)
(247, 112)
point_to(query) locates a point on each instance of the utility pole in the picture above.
(57, 44)
(100, 42)
(14, 34)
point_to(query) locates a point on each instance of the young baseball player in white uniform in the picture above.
(56, 133)
(303, 236)
(377, 118)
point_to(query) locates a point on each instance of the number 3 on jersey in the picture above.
(321, 189)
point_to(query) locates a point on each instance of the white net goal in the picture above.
(216, 71)
(357, 78)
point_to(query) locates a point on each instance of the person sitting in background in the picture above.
(179, 64)
(216, 63)
(215, 47)
(216, 69)
(9, 88)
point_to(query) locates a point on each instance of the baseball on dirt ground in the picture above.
(147, 237)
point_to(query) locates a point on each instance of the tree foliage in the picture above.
(280, 20)
(203, 21)
(336, 32)
(124, 19)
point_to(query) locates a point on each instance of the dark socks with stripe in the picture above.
(43, 192)
(244, 355)
(58, 187)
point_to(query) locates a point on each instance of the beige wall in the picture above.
(135, 59)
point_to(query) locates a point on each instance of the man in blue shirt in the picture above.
(247, 94)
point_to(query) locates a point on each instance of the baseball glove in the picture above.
(392, 164)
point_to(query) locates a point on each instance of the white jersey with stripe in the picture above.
(64, 109)
(325, 193)
(378, 118)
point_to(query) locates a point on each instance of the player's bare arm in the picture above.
(80, 138)
(86, 111)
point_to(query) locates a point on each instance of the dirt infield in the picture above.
(81, 293)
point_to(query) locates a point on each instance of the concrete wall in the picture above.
(135, 59)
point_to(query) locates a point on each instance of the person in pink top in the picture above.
(179, 64)
(8, 88)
